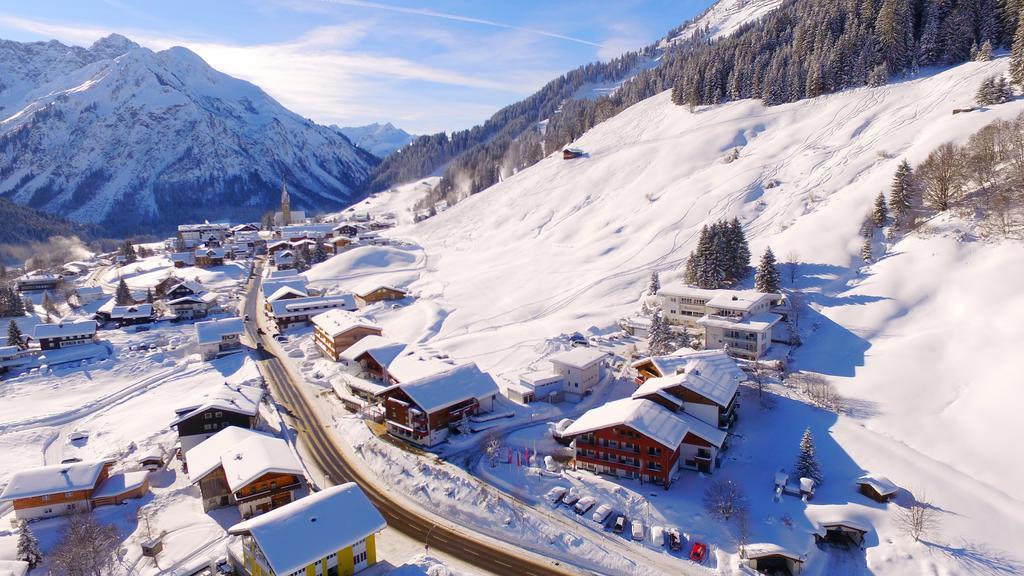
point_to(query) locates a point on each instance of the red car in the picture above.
(698, 552)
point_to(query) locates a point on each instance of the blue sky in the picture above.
(425, 66)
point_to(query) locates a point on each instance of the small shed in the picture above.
(152, 547)
(842, 532)
(151, 460)
(807, 488)
(878, 488)
(771, 559)
(570, 153)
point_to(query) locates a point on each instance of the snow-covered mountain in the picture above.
(379, 139)
(132, 139)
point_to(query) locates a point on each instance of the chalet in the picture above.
(37, 282)
(209, 257)
(878, 488)
(277, 246)
(236, 230)
(189, 307)
(133, 314)
(581, 369)
(289, 312)
(87, 294)
(218, 337)
(253, 470)
(350, 229)
(284, 259)
(331, 532)
(161, 288)
(740, 321)
(842, 532)
(337, 245)
(704, 384)
(271, 285)
(196, 234)
(392, 362)
(372, 294)
(65, 334)
(183, 259)
(424, 411)
(638, 438)
(216, 409)
(771, 559)
(336, 330)
(68, 488)
(305, 231)
(572, 153)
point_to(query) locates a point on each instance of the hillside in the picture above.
(564, 246)
(132, 139)
(381, 140)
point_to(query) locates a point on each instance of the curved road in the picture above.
(330, 459)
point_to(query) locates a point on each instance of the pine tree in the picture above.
(902, 191)
(1003, 90)
(319, 254)
(659, 339)
(48, 305)
(881, 212)
(865, 250)
(654, 285)
(690, 275)
(983, 97)
(28, 546)
(13, 334)
(123, 296)
(807, 463)
(128, 251)
(985, 52)
(929, 48)
(739, 251)
(766, 279)
(149, 296)
(1017, 55)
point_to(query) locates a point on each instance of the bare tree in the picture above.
(86, 547)
(918, 520)
(941, 176)
(819, 390)
(492, 448)
(792, 266)
(758, 376)
(725, 499)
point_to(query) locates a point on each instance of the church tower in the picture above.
(286, 207)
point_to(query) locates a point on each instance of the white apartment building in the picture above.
(740, 321)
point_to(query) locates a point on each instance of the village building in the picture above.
(9, 356)
(241, 228)
(218, 337)
(209, 257)
(253, 470)
(290, 312)
(771, 559)
(284, 259)
(87, 294)
(424, 411)
(704, 384)
(740, 321)
(581, 368)
(221, 406)
(190, 307)
(372, 294)
(638, 438)
(543, 385)
(191, 235)
(878, 488)
(337, 245)
(36, 282)
(133, 314)
(336, 330)
(350, 229)
(64, 334)
(69, 488)
(331, 532)
(273, 284)
(842, 532)
(392, 362)
(287, 216)
(183, 259)
(297, 232)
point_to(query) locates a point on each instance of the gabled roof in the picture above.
(383, 350)
(132, 311)
(191, 285)
(646, 417)
(300, 306)
(239, 399)
(65, 329)
(210, 252)
(402, 361)
(337, 321)
(712, 376)
(272, 274)
(880, 484)
(581, 358)
(368, 289)
(186, 257)
(54, 479)
(271, 285)
(765, 550)
(713, 435)
(455, 385)
(306, 530)
(284, 291)
(245, 455)
(212, 331)
(89, 291)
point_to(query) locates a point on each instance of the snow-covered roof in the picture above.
(191, 285)
(272, 274)
(708, 377)
(107, 306)
(739, 300)
(185, 257)
(402, 361)
(244, 454)
(236, 398)
(682, 290)
(845, 523)
(118, 484)
(757, 322)
(539, 377)
(455, 385)
(706, 361)
(38, 277)
(132, 311)
(273, 285)
(646, 417)
(8, 351)
(712, 434)
(763, 550)
(582, 357)
(306, 530)
(383, 349)
(89, 291)
(54, 479)
(336, 322)
(367, 289)
(213, 331)
(284, 256)
(300, 306)
(210, 252)
(206, 226)
(65, 329)
(286, 291)
(880, 484)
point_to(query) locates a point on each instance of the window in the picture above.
(208, 416)
(653, 451)
(360, 558)
(207, 426)
(46, 497)
(219, 414)
(70, 506)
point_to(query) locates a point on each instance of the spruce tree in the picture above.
(881, 212)
(1017, 55)
(984, 95)
(690, 274)
(1003, 90)
(128, 251)
(659, 339)
(123, 296)
(739, 251)
(985, 52)
(902, 191)
(865, 250)
(48, 305)
(28, 546)
(807, 463)
(654, 284)
(319, 254)
(766, 279)
(13, 334)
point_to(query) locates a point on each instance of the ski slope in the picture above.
(922, 342)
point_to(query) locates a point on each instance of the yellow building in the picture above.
(330, 533)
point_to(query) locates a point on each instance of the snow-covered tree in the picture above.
(865, 250)
(724, 499)
(48, 304)
(122, 295)
(985, 52)
(690, 274)
(767, 277)
(902, 191)
(881, 212)
(659, 340)
(13, 334)
(1017, 55)
(28, 546)
(319, 253)
(807, 462)
(28, 305)
(654, 284)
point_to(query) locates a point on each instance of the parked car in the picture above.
(657, 536)
(280, 337)
(78, 436)
(70, 460)
(223, 567)
(675, 542)
(570, 498)
(584, 504)
(620, 524)
(637, 530)
(602, 513)
(578, 339)
(555, 495)
(699, 552)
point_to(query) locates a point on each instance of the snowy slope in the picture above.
(723, 18)
(123, 136)
(923, 341)
(378, 139)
